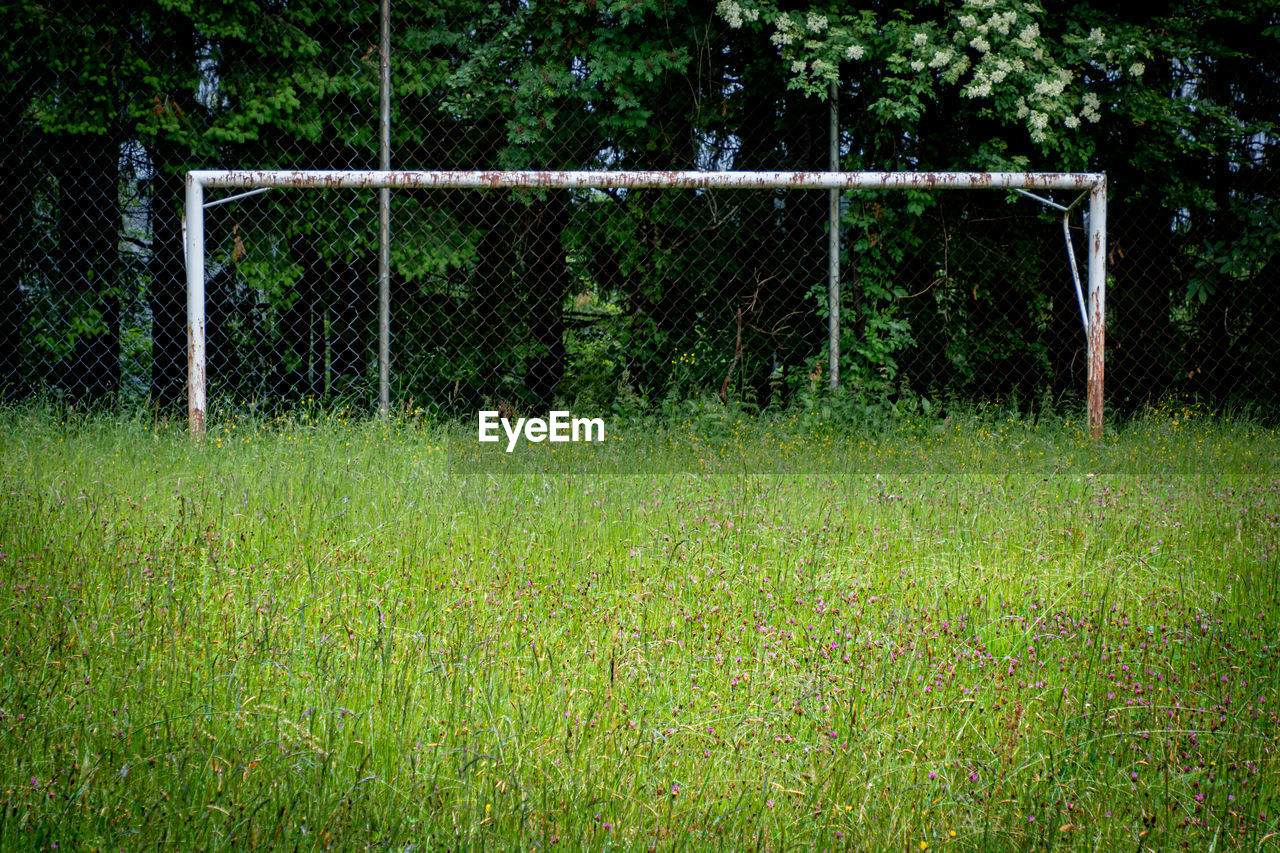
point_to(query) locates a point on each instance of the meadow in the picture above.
(979, 632)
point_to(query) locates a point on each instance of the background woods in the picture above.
(636, 298)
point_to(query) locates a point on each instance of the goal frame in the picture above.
(253, 180)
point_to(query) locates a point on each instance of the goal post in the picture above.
(249, 180)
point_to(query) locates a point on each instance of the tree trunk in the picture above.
(495, 291)
(88, 169)
(15, 239)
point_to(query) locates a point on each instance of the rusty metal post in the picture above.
(384, 215)
(833, 249)
(193, 225)
(1097, 301)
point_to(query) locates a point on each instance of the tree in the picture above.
(68, 103)
(1178, 109)
(499, 295)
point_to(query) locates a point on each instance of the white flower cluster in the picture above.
(1137, 68)
(786, 32)
(992, 49)
(1013, 60)
(1002, 21)
(1027, 38)
(1091, 108)
(1038, 121)
(979, 86)
(731, 12)
(1050, 87)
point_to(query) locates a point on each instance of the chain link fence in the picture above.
(601, 300)
(638, 297)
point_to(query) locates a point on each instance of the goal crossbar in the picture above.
(497, 179)
(1095, 183)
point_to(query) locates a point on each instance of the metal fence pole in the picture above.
(384, 216)
(1097, 300)
(833, 249)
(193, 225)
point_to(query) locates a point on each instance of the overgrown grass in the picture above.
(312, 632)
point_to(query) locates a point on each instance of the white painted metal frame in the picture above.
(1093, 183)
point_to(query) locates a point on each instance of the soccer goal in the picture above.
(1090, 297)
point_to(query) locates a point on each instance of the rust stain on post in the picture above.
(1097, 344)
(1097, 302)
(193, 226)
(642, 179)
(196, 377)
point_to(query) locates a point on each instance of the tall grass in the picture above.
(982, 631)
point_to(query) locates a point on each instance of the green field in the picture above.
(978, 632)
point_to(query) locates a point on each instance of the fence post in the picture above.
(193, 225)
(384, 215)
(1097, 301)
(833, 247)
